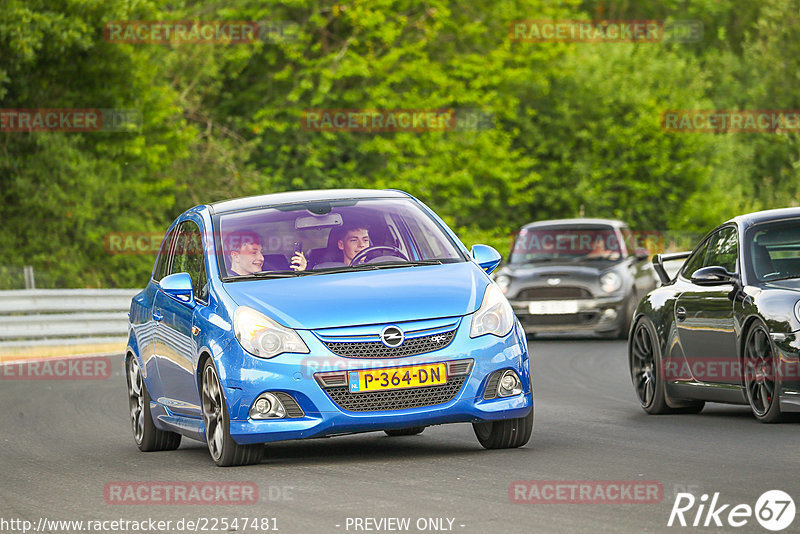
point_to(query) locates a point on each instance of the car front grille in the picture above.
(396, 399)
(376, 349)
(552, 293)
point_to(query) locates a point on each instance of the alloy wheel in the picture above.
(213, 405)
(136, 399)
(759, 371)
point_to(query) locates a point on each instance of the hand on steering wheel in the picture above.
(362, 256)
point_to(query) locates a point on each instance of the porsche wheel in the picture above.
(644, 358)
(224, 451)
(148, 438)
(761, 379)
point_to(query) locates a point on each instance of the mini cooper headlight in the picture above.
(797, 310)
(494, 316)
(503, 281)
(261, 336)
(610, 282)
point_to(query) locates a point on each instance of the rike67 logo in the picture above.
(774, 510)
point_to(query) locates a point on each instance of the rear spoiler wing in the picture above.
(658, 263)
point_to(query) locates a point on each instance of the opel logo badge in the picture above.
(553, 281)
(392, 337)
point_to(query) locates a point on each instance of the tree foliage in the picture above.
(575, 126)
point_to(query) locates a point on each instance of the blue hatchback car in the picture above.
(320, 313)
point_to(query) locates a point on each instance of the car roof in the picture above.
(580, 221)
(294, 197)
(750, 219)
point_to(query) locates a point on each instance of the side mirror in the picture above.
(641, 254)
(487, 257)
(179, 287)
(713, 275)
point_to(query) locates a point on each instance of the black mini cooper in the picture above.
(576, 275)
(727, 327)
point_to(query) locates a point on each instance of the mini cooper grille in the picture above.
(396, 399)
(549, 293)
(293, 410)
(376, 349)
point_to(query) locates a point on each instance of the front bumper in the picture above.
(592, 315)
(245, 377)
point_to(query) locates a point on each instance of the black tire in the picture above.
(413, 431)
(644, 363)
(147, 437)
(761, 377)
(504, 434)
(224, 451)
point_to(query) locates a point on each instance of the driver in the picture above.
(354, 240)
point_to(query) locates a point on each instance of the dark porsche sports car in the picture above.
(576, 275)
(726, 328)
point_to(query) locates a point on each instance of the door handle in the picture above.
(157, 316)
(680, 313)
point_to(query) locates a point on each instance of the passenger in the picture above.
(246, 254)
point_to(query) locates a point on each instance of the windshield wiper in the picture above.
(266, 275)
(783, 278)
(376, 266)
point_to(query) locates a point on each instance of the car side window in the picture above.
(695, 261)
(723, 250)
(190, 258)
(164, 255)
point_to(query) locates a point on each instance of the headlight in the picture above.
(261, 336)
(503, 282)
(494, 316)
(610, 282)
(797, 310)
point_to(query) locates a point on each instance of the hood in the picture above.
(792, 284)
(365, 297)
(579, 271)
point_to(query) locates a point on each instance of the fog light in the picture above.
(263, 406)
(610, 314)
(267, 406)
(509, 385)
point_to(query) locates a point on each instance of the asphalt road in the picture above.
(64, 442)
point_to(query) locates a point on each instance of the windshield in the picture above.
(330, 236)
(774, 250)
(570, 243)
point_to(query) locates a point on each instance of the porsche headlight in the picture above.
(261, 336)
(610, 282)
(503, 281)
(494, 316)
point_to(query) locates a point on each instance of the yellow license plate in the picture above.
(413, 376)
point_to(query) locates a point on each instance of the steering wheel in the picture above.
(362, 256)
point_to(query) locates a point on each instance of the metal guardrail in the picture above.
(64, 316)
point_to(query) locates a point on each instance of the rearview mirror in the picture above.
(487, 257)
(179, 287)
(712, 275)
(318, 221)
